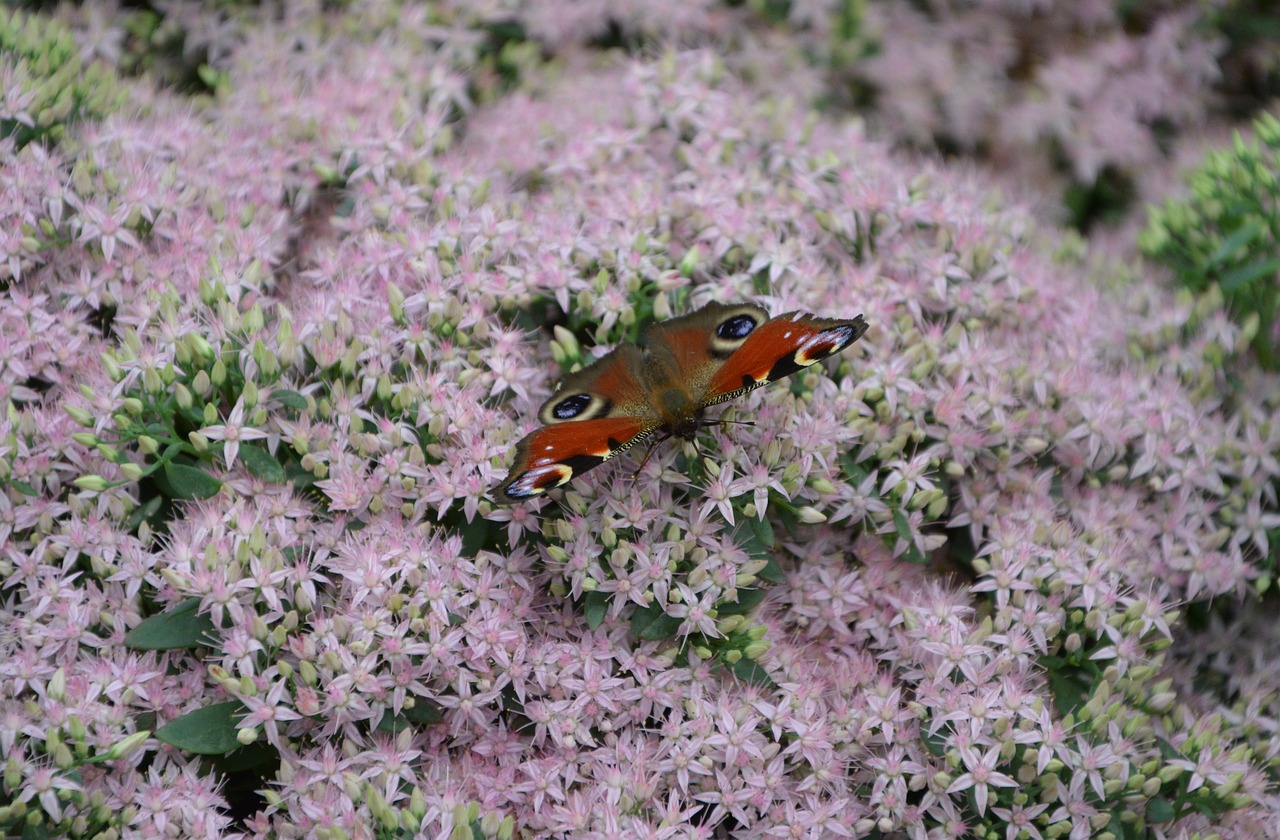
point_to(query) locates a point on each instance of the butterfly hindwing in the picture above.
(552, 455)
(596, 413)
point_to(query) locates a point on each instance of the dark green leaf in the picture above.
(289, 399)
(755, 537)
(903, 526)
(762, 531)
(22, 487)
(935, 742)
(392, 724)
(787, 512)
(749, 670)
(144, 511)
(35, 832)
(1159, 810)
(1069, 688)
(178, 628)
(652, 624)
(474, 535)
(1235, 280)
(748, 599)
(594, 606)
(424, 713)
(772, 572)
(852, 470)
(190, 482)
(207, 731)
(260, 464)
(303, 480)
(1232, 245)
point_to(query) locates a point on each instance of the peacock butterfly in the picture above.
(634, 394)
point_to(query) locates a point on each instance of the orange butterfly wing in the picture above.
(779, 348)
(597, 412)
(552, 455)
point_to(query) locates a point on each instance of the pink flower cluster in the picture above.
(1035, 87)
(335, 266)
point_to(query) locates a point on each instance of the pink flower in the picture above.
(232, 432)
(980, 775)
(268, 711)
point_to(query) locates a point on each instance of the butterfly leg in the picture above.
(647, 454)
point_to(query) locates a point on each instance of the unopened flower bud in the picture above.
(810, 515)
(128, 745)
(92, 483)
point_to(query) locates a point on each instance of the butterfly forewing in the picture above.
(779, 348)
(697, 345)
(552, 455)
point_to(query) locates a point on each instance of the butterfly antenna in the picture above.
(729, 423)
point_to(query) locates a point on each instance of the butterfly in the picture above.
(660, 389)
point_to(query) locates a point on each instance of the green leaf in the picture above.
(750, 671)
(935, 742)
(179, 628)
(852, 470)
(35, 832)
(1233, 244)
(423, 713)
(22, 487)
(474, 536)
(289, 399)
(787, 512)
(190, 482)
(772, 572)
(594, 606)
(903, 526)
(1235, 280)
(207, 731)
(260, 464)
(748, 600)
(652, 624)
(1159, 810)
(147, 510)
(756, 538)
(761, 531)
(303, 480)
(1069, 688)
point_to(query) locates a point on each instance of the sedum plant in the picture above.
(47, 86)
(1224, 238)
(952, 583)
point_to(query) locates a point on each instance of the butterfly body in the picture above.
(634, 395)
